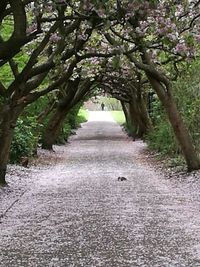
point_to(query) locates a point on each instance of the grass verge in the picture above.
(118, 116)
(82, 116)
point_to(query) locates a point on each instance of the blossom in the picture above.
(172, 36)
(181, 48)
(198, 37)
(54, 37)
(32, 28)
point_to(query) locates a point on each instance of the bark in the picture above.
(133, 118)
(66, 104)
(3, 6)
(8, 121)
(125, 110)
(56, 121)
(144, 119)
(53, 128)
(49, 108)
(19, 14)
(139, 116)
(7, 49)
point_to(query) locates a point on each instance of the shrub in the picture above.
(187, 94)
(162, 138)
(25, 139)
(73, 120)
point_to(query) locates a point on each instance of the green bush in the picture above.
(187, 94)
(82, 116)
(25, 139)
(130, 129)
(162, 139)
(73, 120)
(118, 116)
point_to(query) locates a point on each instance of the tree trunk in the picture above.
(139, 118)
(180, 130)
(53, 128)
(50, 106)
(133, 118)
(144, 119)
(74, 95)
(125, 110)
(8, 121)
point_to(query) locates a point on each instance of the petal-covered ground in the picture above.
(71, 211)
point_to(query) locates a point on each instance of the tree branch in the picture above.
(2, 89)
(55, 85)
(14, 68)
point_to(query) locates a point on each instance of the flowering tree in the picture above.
(74, 92)
(29, 81)
(162, 33)
(128, 86)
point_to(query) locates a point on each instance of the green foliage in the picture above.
(6, 74)
(187, 94)
(118, 116)
(162, 138)
(82, 116)
(187, 90)
(25, 139)
(116, 62)
(7, 29)
(130, 129)
(73, 121)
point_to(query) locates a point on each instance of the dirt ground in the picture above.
(68, 209)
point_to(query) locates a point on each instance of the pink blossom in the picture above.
(198, 37)
(172, 36)
(162, 31)
(32, 28)
(54, 37)
(181, 48)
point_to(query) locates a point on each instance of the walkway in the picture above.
(76, 213)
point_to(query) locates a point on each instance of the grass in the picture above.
(82, 116)
(118, 116)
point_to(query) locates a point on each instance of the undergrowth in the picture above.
(187, 95)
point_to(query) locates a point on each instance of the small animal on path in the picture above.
(121, 178)
(24, 162)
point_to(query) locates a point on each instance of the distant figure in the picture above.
(102, 106)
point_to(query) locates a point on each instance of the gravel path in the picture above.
(72, 211)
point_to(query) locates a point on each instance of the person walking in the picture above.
(102, 106)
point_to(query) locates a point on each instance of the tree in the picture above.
(30, 83)
(126, 85)
(74, 92)
(160, 40)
